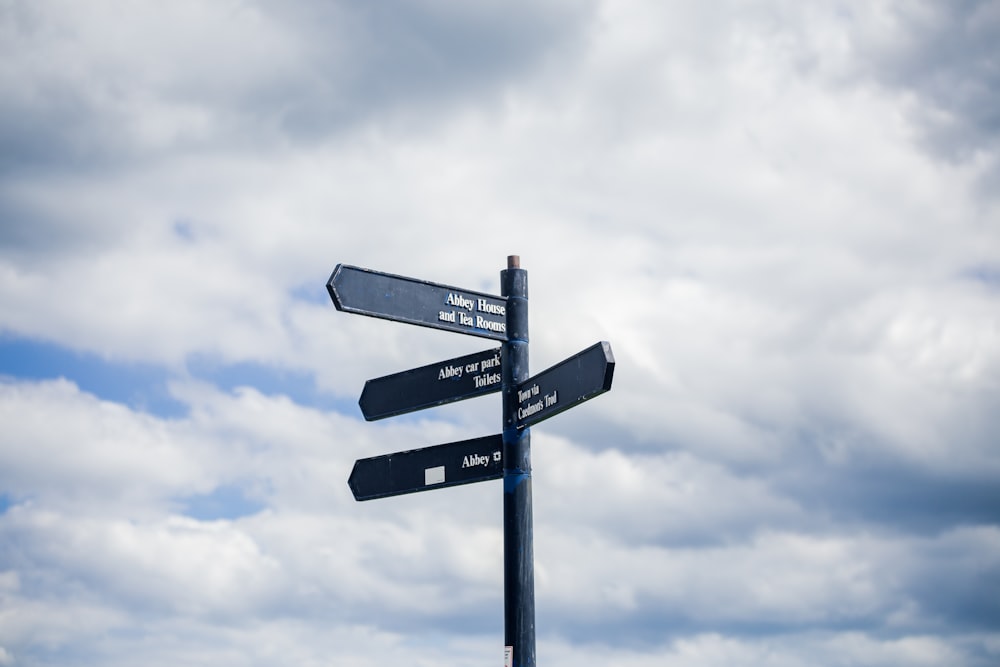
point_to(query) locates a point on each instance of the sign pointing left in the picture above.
(426, 304)
(435, 384)
(435, 467)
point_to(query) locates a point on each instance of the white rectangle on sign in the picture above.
(433, 475)
(508, 656)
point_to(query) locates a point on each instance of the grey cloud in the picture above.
(777, 459)
(946, 56)
(395, 50)
(956, 579)
(85, 94)
(55, 128)
(876, 583)
(413, 63)
(888, 494)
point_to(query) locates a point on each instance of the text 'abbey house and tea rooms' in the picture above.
(474, 313)
(420, 302)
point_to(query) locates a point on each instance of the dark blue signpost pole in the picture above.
(526, 401)
(519, 566)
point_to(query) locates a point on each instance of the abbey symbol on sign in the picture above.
(427, 304)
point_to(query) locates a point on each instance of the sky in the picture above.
(782, 216)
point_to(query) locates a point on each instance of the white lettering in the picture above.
(486, 380)
(530, 409)
(459, 301)
(491, 308)
(476, 460)
(449, 371)
(483, 323)
(446, 315)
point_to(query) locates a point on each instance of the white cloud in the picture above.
(646, 546)
(739, 198)
(712, 649)
(61, 447)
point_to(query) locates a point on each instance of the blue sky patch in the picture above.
(184, 229)
(985, 274)
(314, 292)
(226, 502)
(141, 386)
(300, 386)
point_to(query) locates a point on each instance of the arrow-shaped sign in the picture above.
(435, 384)
(429, 468)
(390, 297)
(570, 382)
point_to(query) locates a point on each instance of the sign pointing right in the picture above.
(570, 382)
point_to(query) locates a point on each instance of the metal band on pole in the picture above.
(519, 572)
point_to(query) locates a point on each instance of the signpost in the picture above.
(427, 304)
(436, 467)
(435, 384)
(526, 401)
(570, 382)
